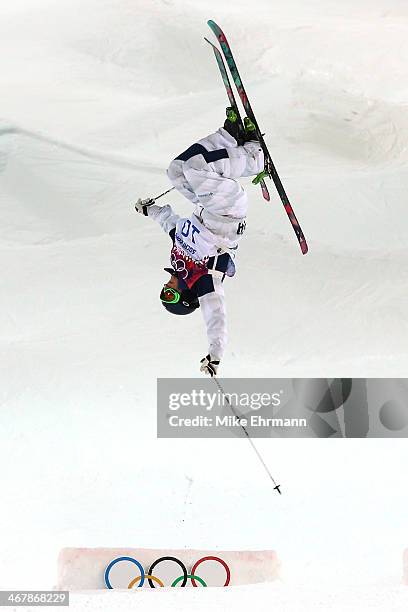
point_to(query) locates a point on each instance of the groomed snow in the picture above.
(97, 98)
(260, 598)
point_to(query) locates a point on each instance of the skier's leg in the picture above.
(217, 194)
(177, 178)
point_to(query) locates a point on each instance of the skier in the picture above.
(204, 244)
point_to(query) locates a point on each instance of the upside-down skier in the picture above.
(204, 244)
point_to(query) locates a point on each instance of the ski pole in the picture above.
(164, 193)
(234, 412)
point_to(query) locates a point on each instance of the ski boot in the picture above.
(250, 129)
(233, 125)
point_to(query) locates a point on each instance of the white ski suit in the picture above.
(204, 244)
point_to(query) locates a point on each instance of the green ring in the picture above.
(180, 578)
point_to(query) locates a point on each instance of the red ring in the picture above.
(225, 566)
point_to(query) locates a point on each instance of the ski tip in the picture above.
(213, 25)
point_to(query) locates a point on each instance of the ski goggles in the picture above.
(170, 295)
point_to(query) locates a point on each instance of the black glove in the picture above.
(141, 206)
(209, 365)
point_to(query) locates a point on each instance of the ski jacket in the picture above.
(202, 266)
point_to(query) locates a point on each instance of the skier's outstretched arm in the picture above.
(215, 317)
(164, 215)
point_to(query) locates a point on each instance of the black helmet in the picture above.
(184, 301)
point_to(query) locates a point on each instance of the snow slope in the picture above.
(97, 97)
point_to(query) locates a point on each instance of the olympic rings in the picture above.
(142, 575)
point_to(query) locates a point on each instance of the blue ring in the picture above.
(117, 560)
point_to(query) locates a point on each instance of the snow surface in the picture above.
(96, 98)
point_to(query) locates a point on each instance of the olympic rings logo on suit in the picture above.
(179, 266)
(141, 576)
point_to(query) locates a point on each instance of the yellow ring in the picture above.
(154, 578)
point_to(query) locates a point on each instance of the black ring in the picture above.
(180, 563)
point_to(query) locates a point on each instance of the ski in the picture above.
(232, 101)
(269, 165)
